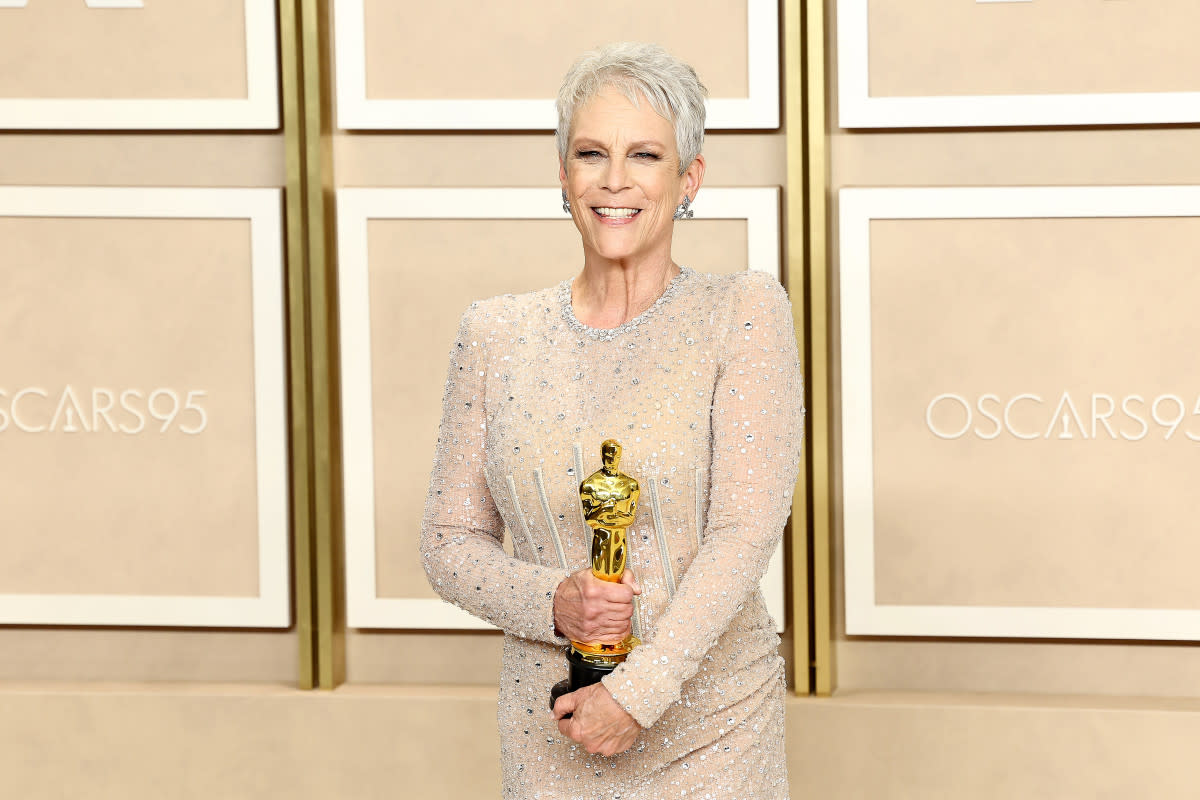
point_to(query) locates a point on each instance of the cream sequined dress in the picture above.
(704, 392)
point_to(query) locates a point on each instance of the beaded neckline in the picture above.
(607, 334)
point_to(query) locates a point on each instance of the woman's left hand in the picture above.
(596, 722)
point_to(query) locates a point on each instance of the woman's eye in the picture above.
(587, 154)
(645, 156)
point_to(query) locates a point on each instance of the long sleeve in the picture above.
(462, 531)
(757, 429)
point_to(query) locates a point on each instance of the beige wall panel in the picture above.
(901, 746)
(95, 308)
(1015, 158)
(961, 47)
(521, 50)
(525, 159)
(424, 658)
(263, 743)
(86, 159)
(171, 50)
(423, 274)
(1085, 517)
(113, 654)
(1095, 668)
(1123, 156)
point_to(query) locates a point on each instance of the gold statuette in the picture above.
(610, 499)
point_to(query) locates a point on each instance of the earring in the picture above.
(566, 204)
(684, 211)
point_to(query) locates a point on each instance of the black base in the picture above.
(579, 674)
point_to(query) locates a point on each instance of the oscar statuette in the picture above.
(609, 498)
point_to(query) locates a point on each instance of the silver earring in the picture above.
(566, 204)
(684, 211)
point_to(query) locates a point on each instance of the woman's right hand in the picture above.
(587, 609)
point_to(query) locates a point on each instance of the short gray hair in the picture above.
(671, 86)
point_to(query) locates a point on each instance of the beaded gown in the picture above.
(705, 394)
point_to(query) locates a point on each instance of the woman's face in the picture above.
(622, 178)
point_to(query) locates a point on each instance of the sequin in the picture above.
(707, 684)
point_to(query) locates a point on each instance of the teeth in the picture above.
(617, 212)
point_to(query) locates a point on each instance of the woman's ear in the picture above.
(693, 177)
(562, 173)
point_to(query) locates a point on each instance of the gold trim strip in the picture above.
(326, 414)
(817, 263)
(298, 345)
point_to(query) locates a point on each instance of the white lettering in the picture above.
(1065, 402)
(1103, 418)
(100, 409)
(71, 412)
(1129, 413)
(125, 395)
(169, 417)
(994, 420)
(190, 405)
(1168, 411)
(16, 412)
(1008, 411)
(929, 416)
(1173, 424)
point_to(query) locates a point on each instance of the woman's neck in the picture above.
(610, 293)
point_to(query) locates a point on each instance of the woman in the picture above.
(697, 377)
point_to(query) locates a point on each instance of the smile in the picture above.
(617, 213)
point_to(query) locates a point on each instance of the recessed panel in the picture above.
(1022, 411)
(1033, 47)
(522, 50)
(506, 64)
(141, 408)
(125, 408)
(182, 64)
(1017, 62)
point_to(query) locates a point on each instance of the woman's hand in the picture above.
(596, 722)
(587, 609)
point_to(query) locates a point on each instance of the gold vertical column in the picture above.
(300, 377)
(796, 258)
(805, 100)
(326, 420)
(816, 187)
(304, 48)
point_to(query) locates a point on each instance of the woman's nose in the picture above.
(616, 176)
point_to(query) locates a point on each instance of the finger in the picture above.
(565, 704)
(630, 580)
(607, 614)
(619, 593)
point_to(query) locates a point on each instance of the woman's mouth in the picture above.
(616, 213)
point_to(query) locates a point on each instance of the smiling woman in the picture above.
(698, 377)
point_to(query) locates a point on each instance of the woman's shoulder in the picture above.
(747, 287)
(511, 310)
